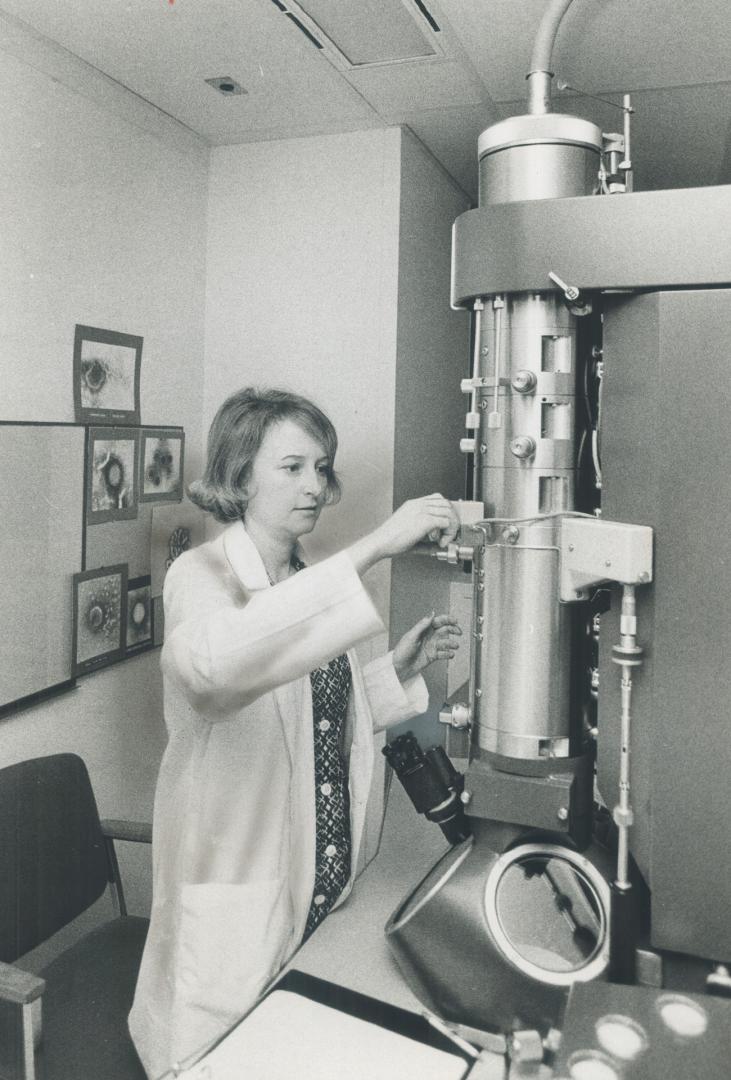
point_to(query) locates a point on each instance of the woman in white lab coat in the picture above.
(261, 797)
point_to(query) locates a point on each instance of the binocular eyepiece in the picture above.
(432, 783)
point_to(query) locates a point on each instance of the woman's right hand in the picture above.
(431, 516)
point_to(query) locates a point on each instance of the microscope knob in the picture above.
(523, 446)
(524, 381)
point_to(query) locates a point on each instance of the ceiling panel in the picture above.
(601, 44)
(442, 83)
(372, 31)
(164, 53)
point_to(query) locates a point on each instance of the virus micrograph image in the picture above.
(178, 543)
(161, 472)
(112, 475)
(99, 616)
(107, 376)
(139, 614)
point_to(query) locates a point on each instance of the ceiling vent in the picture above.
(369, 32)
(226, 86)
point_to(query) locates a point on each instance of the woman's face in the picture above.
(288, 481)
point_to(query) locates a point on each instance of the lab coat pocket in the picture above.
(232, 940)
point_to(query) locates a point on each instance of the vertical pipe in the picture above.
(539, 75)
(623, 928)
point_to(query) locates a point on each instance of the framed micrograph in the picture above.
(175, 529)
(106, 376)
(100, 617)
(161, 464)
(139, 614)
(111, 474)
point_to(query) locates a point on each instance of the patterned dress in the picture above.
(330, 684)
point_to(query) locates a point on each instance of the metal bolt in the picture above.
(644, 577)
(579, 594)
(524, 381)
(483, 448)
(562, 813)
(608, 562)
(523, 446)
(571, 547)
(511, 535)
(485, 350)
(478, 692)
(466, 797)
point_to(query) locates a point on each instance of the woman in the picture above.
(262, 791)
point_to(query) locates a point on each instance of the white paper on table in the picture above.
(289, 1037)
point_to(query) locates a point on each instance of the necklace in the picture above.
(295, 565)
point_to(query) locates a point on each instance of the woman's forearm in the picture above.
(366, 552)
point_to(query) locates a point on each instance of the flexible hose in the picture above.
(540, 74)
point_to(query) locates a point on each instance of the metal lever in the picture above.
(573, 296)
(571, 292)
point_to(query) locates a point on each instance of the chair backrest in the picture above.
(53, 862)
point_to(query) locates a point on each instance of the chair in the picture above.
(56, 860)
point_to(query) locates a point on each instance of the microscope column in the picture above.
(525, 459)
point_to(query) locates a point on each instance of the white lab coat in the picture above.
(234, 821)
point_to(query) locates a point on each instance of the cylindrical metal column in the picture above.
(548, 156)
(525, 470)
(525, 458)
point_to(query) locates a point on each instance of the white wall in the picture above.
(433, 356)
(102, 217)
(302, 273)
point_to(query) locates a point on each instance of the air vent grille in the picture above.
(367, 32)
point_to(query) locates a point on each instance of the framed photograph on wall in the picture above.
(100, 617)
(111, 474)
(139, 615)
(175, 529)
(161, 464)
(106, 376)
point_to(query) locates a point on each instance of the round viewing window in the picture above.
(547, 907)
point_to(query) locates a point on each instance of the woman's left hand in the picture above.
(434, 637)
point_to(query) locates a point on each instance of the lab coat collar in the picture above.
(244, 558)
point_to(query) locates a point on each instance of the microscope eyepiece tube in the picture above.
(432, 783)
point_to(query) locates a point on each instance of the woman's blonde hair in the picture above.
(235, 437)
